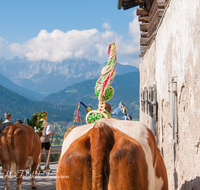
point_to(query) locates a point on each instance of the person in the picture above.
(108, 108)
(45, 143)
(19, 121)
(7, 122)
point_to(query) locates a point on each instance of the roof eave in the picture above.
(126, 4)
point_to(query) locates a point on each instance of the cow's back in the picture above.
(157, 173)
(128, 167)
(74, 166)
(19, 150)
(131, 158)
(73, 135)
(19, 141)
(144, 137)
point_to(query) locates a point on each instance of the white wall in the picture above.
(176, 52)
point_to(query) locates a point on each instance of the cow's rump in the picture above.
(112, 154)
(19, 148)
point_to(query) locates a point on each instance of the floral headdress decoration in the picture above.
(42, 115)
(103, 90)
(37, 120)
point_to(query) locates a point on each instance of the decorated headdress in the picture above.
(103, 90)
(42, 116)
(37, 120)
(121, 108)
(77, 117)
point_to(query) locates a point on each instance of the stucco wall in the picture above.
(176, 52)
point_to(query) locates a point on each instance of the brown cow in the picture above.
(68, 131)
(19, 150)
(109, 155)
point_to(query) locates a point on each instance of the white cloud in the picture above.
(3, 47)
(59, 45)
(136, 63)
(106, 25)
(134, 28)
(133, 63)
(125, 63)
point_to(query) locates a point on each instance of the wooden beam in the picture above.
(119, 4)
(149, 4)
(142, 12)
(160, 12)
(150, 38)
(161, 4)
(129, 4)
(143, 41)
(140, 1)
(144, 26)
(143, 49)
(144, 34)
(141, 55)
(143, 18)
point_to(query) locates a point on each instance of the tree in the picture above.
(57, 141)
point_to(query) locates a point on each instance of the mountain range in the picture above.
(60, 106)
(22, 108)
(29, 94)
(44, 77)
(126, 89)
(27, 87)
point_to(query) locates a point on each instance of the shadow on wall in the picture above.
(193, 184)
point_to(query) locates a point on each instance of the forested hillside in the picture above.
(21, 107)
(126, 88)
(4, 81)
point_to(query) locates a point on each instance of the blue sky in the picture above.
(62, 29)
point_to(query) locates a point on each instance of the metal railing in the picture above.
(55, 149)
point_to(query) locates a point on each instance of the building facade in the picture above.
(170, 85)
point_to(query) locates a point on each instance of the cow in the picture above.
(111, 154)
(19, 150)
(68, 131)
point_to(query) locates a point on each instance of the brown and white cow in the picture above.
(111, 154)
(19, 150)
